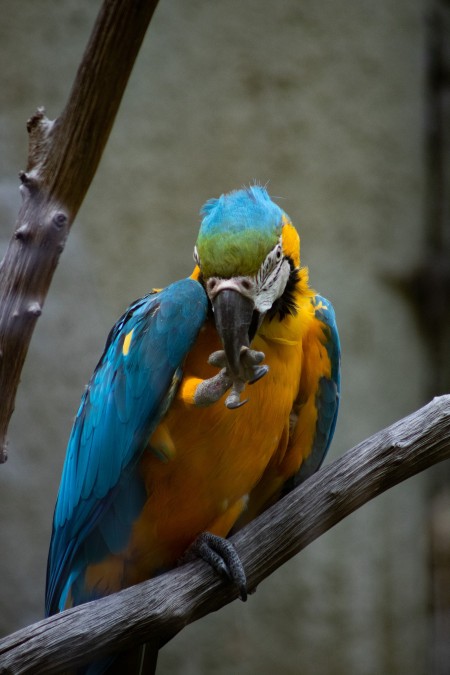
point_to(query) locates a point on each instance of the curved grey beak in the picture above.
(233, 315)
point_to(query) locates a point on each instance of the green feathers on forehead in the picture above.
(237, 232)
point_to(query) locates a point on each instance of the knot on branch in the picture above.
(60, 219)
(34, 308)
(23, 233)
(57, 226)
(39, 129)
(29, 182)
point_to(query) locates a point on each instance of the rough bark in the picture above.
(157, 610)
(62, 159)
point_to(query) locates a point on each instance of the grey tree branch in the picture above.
(157, 610)
(62, 159)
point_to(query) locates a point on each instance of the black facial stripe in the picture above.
(285, 305)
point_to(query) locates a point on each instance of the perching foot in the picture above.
(223, 558)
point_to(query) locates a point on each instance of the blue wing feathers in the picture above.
(128, 393)
(126, 506)
(328, 392)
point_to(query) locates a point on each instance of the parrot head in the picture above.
(248, 258)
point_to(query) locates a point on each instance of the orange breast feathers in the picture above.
(208, 461)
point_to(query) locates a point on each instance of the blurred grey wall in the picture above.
(325, 101)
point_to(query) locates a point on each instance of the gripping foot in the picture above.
(223, 558)
(209, 391)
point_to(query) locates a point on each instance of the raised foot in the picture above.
(251, 370)
(223, 558)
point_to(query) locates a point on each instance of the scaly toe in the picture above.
(223, 558)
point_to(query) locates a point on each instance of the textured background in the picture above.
(324, 101)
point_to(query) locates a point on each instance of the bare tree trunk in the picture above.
(158, 609)
(62, 160)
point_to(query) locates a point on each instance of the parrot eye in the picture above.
(196, 256)
(272, 261)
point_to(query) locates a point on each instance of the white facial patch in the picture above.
(271, 279)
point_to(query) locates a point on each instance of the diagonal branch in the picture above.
(158, 609)
(62, 160)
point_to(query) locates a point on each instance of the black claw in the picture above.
(259, 372)
(232, 404)
(223, 558)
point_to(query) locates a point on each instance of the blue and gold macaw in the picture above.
(164, 456)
